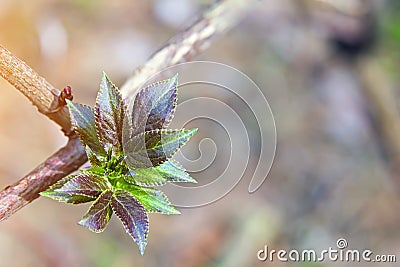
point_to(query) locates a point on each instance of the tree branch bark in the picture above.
(183, 47)
(40, 92)
(380, 96)
(189, 43)
(60, 164)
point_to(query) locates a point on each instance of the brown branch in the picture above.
(181, 48)
(381, 97)
(39, 91)
(189, 43)
(60, 164)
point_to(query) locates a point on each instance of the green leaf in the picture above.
(83, 122)
(174, 172)
(154, 106)
(169, 171)
(153, 200)
(133, 216)
(96, 170)
(109, 114)
(92, 157)
(156, 201)
(97, 217)
(54, 192)
(146, 177)
(150, 149)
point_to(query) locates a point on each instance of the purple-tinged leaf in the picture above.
(152, 148)
(133, 216)
(61, 196)
(154, 106)
(97, 217)
(109, 114)
(85, 184)
(83, 122)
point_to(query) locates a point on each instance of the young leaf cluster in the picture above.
(129, 154)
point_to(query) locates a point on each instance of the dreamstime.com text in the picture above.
(339, 253)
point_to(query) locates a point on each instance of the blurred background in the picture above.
(329, 70)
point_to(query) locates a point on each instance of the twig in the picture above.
(39, 91)
(60, 164)
(381, 97)
(189, 43)
(183, 47)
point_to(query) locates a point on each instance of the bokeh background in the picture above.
(329, 70)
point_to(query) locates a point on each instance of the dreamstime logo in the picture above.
(340, 253)
(236, 128)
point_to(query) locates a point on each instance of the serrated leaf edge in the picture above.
(44, 193)
(125, 226)
(124, 107)
(76, 128)
(168, 131)
(175, 103)
(94, 202)
(133, 181)
(179, 165)
(166, 200)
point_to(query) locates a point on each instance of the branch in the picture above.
(183, 47)
(60, 164)
(381, 97)
(189, 43)
(40, 92)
